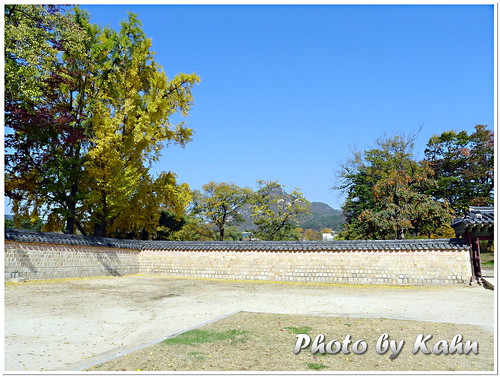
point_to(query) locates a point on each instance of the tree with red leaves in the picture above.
(50, 86)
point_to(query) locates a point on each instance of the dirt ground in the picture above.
(73, 324)
(264, 342)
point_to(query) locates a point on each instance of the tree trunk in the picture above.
(70, 225)
(100, 227)
(71, 202)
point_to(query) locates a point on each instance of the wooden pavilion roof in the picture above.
(479, 220)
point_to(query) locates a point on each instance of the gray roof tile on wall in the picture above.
(269, 245)
(439, 244)
(69, 239)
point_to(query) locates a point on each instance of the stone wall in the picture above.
(51, 261)
(350, 266)
(44, 256)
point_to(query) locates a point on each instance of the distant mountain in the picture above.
(322, 216)
(247, 224)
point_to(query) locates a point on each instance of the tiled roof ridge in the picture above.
(476, 215)
(481, 208)
(410, 244)
(23, 235)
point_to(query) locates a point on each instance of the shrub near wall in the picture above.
(43, 255)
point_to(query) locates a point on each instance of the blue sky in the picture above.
(286, 91)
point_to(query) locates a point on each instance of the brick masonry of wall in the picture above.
(354, 267)
(44, 256)
(51, 261)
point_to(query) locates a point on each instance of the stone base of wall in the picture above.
(347, 267)
(51, 261)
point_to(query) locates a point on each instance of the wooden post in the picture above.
(477, 258)
(468, 239)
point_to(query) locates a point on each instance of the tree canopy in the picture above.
(88, 112)
(387, 193)
(463, 167)
(220, 204)
(275, 212)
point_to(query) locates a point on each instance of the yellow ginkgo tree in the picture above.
(130, 127)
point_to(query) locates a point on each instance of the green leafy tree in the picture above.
(358, 186)
(233, 233)
(444, 231)
(276, 213)
(401, 207)
(310, 234)
(194, 230)
(220, 204)
(43, 117)
(169, 223)
(463, 167)
(25, 224)
(387, 195)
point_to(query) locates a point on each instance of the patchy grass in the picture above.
(193, 337)
(488, 259)
(316, 366)
(200, 356)
(265, 342)
(299, 330)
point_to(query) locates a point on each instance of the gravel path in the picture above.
(73, 323)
